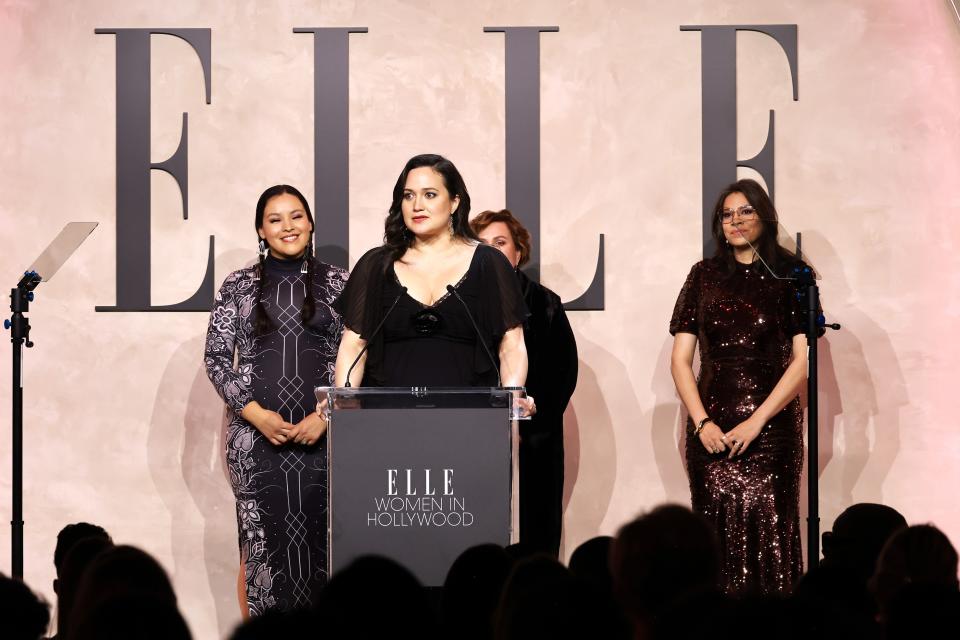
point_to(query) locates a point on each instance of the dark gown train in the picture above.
(432, 345)
(280, 491)
(745, 324)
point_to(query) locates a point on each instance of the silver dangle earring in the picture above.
(263, 249)
(307, 255)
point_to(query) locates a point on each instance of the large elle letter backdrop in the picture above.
(122, 427)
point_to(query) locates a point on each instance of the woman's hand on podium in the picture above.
(527, 406)
(270, 423)
(323, 410)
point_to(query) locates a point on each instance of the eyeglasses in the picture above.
(745, 213)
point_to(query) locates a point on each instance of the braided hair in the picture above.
(261, 321)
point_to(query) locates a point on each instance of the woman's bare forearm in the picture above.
(681, 368)
(351, 345)
(513, 358)
(788, 386)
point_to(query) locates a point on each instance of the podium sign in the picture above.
(419, 475)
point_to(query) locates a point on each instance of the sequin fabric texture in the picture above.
(745, 323)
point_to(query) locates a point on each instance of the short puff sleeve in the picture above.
(686, 313)
(359, 302)
(503, 306)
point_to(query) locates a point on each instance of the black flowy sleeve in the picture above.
(503, 306)
(361, 306)
(563, 356)
(359, 302)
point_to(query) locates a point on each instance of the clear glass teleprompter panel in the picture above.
(62, 247)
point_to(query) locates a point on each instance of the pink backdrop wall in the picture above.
(122, 426)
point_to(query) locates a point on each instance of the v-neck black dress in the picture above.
(432, 345)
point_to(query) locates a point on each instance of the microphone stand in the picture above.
(19, 325)
(46, 265)
(815, 325)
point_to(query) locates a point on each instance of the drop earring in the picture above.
(263, 249)
(307, 256)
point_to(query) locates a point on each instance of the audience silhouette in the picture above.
(77, 545)
(920, 557)
(472, 590)
(23, 614)
(833, 597)
(665, 557)
(658, 578)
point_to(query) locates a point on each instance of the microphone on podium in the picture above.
(453, 290)
(373, 335)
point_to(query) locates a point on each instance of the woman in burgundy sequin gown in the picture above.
(744, 448)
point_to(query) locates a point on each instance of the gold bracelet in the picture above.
(701, 425)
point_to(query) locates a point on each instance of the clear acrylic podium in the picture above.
(419, 475)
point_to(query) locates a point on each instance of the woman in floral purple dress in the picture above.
(276, 318)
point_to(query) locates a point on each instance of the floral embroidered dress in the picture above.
(281, 492)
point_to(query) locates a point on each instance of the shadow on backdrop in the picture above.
(667, 423)
(861, 392)
(185, 453)
(590, 442)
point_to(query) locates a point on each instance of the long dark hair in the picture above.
(261, 322)
(396, 236)
(766, 243)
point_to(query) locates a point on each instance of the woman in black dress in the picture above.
(428, 339)
(744, 446)
(551, 377)
(278, 320)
